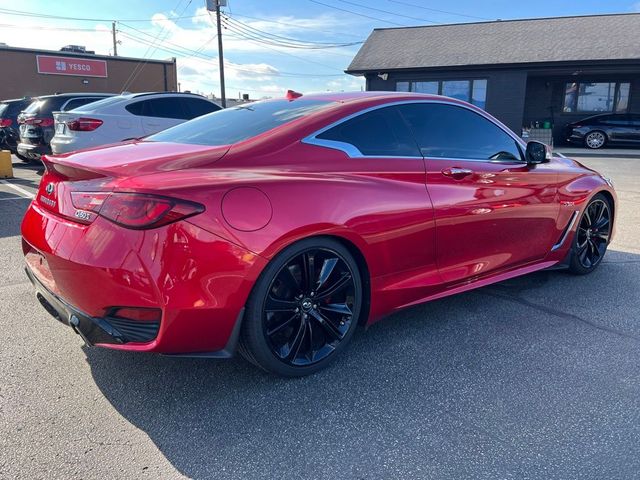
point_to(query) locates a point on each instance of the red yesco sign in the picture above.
(82, 67)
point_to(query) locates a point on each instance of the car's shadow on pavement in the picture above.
(536, 376)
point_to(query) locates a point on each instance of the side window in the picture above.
(158, 107)
(448, 131)
(168, 107)
(196, 107)
(78, 102)
(380, 132)
(137, 108)
(616, 120)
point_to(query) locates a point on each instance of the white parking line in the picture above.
(20, 190)
(14, 198)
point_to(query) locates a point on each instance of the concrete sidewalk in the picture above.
(604, 152)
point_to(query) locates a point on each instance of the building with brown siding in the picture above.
(29, 72)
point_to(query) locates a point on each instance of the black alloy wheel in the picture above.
(304, 310)
(592, 236)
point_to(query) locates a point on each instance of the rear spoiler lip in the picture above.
(55, 162)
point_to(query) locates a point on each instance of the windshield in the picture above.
(236, 124)
(105, 102)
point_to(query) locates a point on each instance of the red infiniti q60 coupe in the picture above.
(276, 227)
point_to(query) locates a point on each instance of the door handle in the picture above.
(456, 172)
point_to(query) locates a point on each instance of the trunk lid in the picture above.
(102, 169)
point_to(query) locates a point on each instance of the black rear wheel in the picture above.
(592, 236)
(304, 308)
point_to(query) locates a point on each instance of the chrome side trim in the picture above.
(353, 152)
(566, 231)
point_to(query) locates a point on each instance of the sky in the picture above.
(270, 46)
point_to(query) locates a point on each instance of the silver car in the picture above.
(123, 117)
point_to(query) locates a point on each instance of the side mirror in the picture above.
(537, 152)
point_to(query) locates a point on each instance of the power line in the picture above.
(140, 66)
(358, 14)
(395, 14)
(185, 52)
(251, 39)
(279, 43)
(437, 11)
(60, 29)
(292, 41)
(297, 26)
(22, 13)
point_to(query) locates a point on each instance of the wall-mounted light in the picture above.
(85, 81)
(383, 76)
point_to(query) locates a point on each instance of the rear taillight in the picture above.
(84, 124)
(41, 122)
(5, 122)
(134, 210)
(88, 201)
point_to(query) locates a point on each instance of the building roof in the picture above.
(88, 56)
(561, 39)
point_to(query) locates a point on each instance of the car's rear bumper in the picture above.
(33, 151)
(93, 330)
(66, 145)
(197, 280)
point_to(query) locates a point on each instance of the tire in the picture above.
(294, 326)
(592, 236)
(595, 139)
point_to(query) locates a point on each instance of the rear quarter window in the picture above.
(79, 102)
(196, 107)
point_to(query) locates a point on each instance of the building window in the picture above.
(426, 87)
(473, 91)
(586, 97)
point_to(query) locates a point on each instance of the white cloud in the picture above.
(249, 67)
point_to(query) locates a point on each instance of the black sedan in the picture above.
(600, 130)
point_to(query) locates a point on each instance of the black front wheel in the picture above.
(303, 309)
(592, 236)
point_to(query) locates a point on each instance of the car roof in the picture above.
(144, 94)
(15, 100)
(349, 97)
(70, 94)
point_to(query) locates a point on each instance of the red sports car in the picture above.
(276, 227)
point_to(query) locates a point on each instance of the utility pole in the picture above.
(115, 41)
(215, 5)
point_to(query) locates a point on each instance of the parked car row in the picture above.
(61, 123)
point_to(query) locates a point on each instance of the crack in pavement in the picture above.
(558, 313)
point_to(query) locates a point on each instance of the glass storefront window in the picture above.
(474, 91)
(622, 100)
(425, 87)
(479, 97)
(457, 89)
(596, 97)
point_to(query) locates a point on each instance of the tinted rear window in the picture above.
(232, 125)
(97, 105)
(46, 105)
(3, 108)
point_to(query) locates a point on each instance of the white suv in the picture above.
(123, 117)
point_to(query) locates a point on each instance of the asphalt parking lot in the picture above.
(536, 377)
